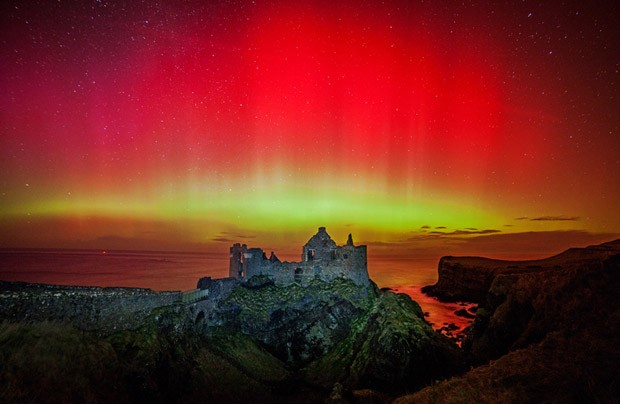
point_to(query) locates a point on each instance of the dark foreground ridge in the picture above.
(545, 331)
(272, 332)
(315, 331)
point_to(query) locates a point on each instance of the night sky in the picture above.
(459, 127)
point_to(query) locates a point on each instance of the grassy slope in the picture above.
(50, 362)
(562, 368)
(165, 361)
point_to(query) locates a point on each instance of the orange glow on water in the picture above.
(440, 315)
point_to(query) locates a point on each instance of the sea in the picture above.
(181, 271)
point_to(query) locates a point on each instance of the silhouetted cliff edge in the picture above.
(469, 278)
(545, 331)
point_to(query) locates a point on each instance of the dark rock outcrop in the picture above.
(469, 278)
(296, 324)
(463, 278)
(390, 348)
(551, 334)
(563, 368)
(522, 309)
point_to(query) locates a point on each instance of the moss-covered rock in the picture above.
(296, 324)
(390, 348)
(249, 347)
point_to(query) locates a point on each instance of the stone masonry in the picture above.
(321, 259)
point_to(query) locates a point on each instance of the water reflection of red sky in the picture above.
(439, 314)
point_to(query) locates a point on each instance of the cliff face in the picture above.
(521, 309)
(297, 324)
(245, 342)
(463, 278)
(389, 348)
(469, 278)
(338, 332)
(551, 333)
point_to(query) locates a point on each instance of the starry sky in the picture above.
(431, 127)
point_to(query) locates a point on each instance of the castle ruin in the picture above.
(321, 259)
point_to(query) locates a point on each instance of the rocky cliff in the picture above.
(297, 324)
(336, 332)
(257, 341)
(390, 348)
(245, 342)
(522, 308)
(549, 333)
(469, 278)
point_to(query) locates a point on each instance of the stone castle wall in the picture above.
(321, 259)
(105, 310)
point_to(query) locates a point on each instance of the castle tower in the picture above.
(273, 257)
(320, 247)
(237, 267)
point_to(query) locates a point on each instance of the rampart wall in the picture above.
(105, 310)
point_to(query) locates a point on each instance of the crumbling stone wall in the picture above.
(202, 312)
(104, 310)
(320, 248)
(321, 259)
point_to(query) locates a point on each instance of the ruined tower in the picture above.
(321, 259)
(237, 267)
(320, 247)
